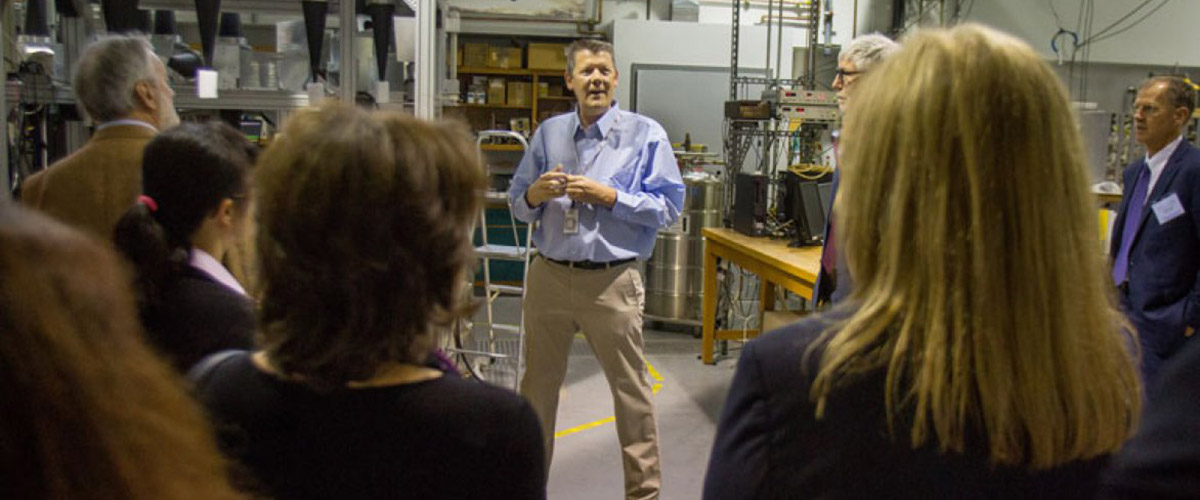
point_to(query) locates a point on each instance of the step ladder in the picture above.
(501, 354)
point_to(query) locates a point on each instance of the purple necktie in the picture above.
(828, 261)
(1133, 216)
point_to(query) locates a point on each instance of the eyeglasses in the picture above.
(841, 73)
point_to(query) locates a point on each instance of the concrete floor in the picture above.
(587, 464)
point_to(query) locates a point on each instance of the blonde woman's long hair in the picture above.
(970, 231)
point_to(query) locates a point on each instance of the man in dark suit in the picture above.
(833, 281)
(1156, 236)
(123, 87)
(1162, 461)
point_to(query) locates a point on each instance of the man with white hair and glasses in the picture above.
(833, 282)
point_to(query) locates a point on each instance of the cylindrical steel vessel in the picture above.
(675, 271)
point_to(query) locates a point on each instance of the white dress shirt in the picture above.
(126, 121)
(199, 259)
(1158, 162)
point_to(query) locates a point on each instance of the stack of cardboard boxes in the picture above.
(496, 90)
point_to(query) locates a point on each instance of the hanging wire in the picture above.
(1100, 36)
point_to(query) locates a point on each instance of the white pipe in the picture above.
(427, 74)
(763, 19)
(796, 25)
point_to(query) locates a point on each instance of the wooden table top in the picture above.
(801, 262)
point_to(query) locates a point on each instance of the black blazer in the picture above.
(198, 317)
(1163, 458)
(1163, 298)
(769, 445)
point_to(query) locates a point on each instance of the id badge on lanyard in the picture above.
(571, 220)
(571, 217)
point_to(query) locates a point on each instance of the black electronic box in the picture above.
(750, 204)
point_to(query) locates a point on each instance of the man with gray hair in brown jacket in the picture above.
(122, 86)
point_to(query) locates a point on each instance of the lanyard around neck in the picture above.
(586, 167)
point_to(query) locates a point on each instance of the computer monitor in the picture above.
(825, 190)
(253, 130)
(805, 204)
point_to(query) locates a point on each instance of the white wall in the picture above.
(687, 44)
(707, 43)
(1165, 38)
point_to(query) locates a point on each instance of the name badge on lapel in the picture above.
(1167, 209)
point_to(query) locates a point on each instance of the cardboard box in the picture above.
(547, 56)
(495, 91)
(504, 57)
(475, 55)
(520, 93)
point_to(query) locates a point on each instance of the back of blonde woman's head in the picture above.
(363, 235)
(979, 277)
(86, 409)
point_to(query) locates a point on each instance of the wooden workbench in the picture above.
(795, 269)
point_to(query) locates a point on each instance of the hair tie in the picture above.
(149, 202)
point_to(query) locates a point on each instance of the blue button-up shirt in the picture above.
(623, 150)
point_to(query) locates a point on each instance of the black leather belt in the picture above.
(590, 265)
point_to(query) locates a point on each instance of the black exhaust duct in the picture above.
(35, 18)
(381, 12)
(207, 12)
(121, 16)
(315, 12)
(145, 21)
(164, 23)
(69, 8)
(231, 25)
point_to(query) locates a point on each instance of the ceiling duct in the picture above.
(207, 13)
(35, 19)
(381, 12)
(164, 23)
(122, 16)
(315, 12)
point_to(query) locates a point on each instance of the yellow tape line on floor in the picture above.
(580, 428)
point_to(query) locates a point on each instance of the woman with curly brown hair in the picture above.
(88, 411)
(363, 236)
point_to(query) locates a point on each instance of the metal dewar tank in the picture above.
(675, 271)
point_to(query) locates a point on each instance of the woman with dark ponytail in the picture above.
(195, 206)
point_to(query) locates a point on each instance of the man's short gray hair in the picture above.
(591, 45)
(1178, 92)
(106, 75)
(867, 50)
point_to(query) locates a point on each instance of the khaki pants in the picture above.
(606, 305)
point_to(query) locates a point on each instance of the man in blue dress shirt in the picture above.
(600, 182)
